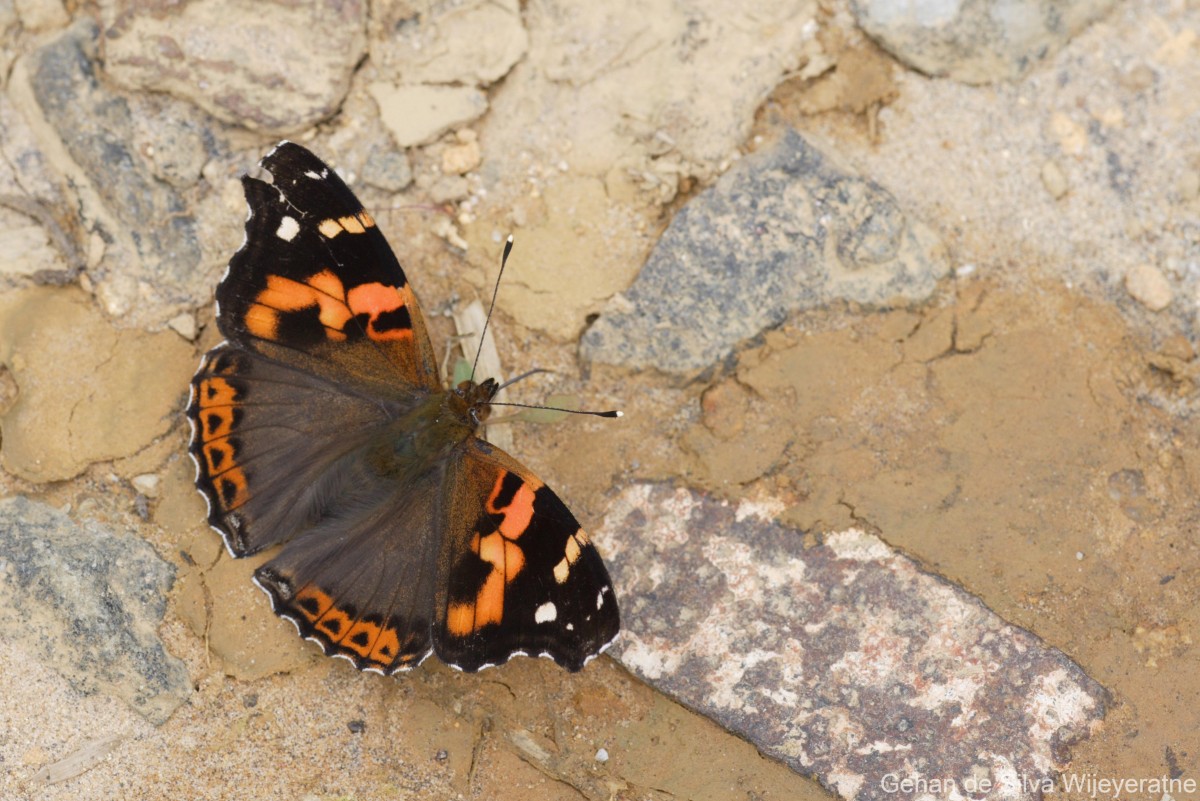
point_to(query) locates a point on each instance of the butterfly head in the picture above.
(476, 399)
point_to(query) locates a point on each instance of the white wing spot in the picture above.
(570, 627)
(600, 597)
(313, 175)
(545, 613)
(288, 228)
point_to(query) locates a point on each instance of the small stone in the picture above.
(387, 169)
(449, 189)
(1149, 287)
(356, 726)
(1138, 79)
(35, 756)
(461, 159)
(146, 484)
(1072, 137)
(442, 755)
(602, 755)
(184, 325)
(445, 228)
(1054, 180)
(419, 114)
(1177, 346)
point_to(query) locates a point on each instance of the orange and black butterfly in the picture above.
(321, 424)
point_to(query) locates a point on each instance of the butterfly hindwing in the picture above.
(316, 285)
(518, 573)
(362, 585)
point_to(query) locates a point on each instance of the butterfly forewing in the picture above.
(316, 286)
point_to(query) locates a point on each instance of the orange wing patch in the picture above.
(217, 399)
(499, 549)
(352, 224)
(385, 307)
(575, 545)
(371, 641)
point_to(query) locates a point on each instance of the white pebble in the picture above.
(147, 484)
(1149, 287)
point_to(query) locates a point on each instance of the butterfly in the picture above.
(321, 424)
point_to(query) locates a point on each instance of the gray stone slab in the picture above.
(845, 660)
(149, 234)
(89, 603)
(786, 229)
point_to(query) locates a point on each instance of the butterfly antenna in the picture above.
(609, 413)
(522, 377)
(508, 244)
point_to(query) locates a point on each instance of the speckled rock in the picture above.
(976, 42)
(845, 660)
(235, 58)
(786, 229)
(88, 602)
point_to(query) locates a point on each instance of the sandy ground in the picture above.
(1029, 433)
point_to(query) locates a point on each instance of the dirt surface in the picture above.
(1029, 433)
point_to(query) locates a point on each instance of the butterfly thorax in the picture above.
(434, 429)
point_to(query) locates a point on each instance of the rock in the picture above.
(42, 15)
(471, 43)
(147, 484)
(976, 42)
(26, 248)
(844, 660)
(274, 67)
(670, 91)
(449, 189)
(152, 250)
(89, 602)
(1054, 179)
(419, 113)
(1148, 286)
(461, 158)
(184, 325)
(86, 391)
(387, 169)
(785, 230)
